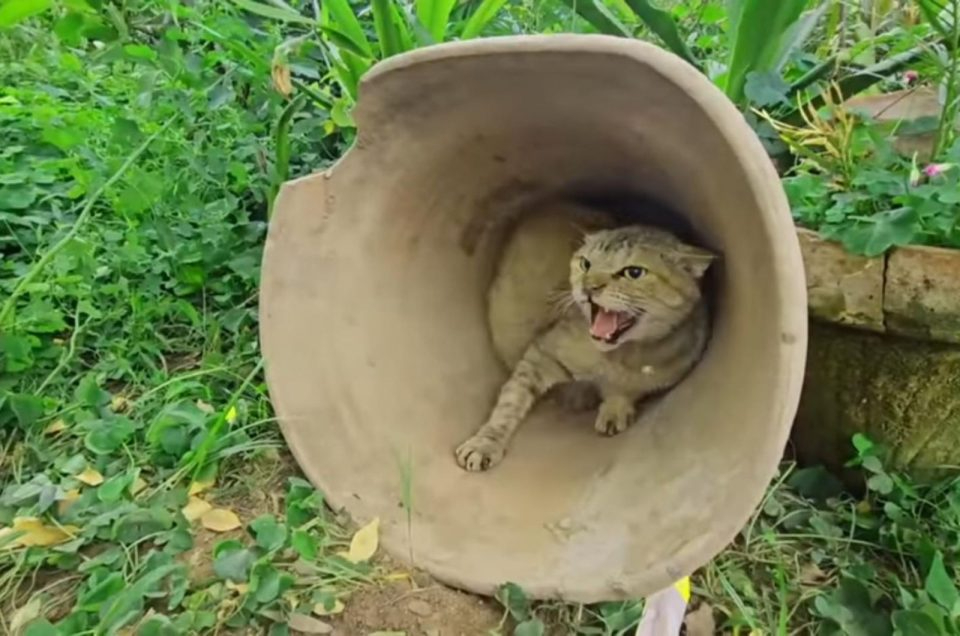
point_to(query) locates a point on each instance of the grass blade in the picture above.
(484, 14)
(281, 170)
(434, 15)
(341, 17)
(758, 39)
(664, 27)
(387, 33)
(272, 12)
(937, 14)
(342, 41)
(601, 18)
(14, 11)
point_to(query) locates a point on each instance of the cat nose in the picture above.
(596, 288)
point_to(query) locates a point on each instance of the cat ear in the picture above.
(694, 260)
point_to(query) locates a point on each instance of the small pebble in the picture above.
(420, 608)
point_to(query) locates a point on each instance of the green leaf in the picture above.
(515, 600)
(601, 18)
(27, 408)
(434, 15)
(304, 544)
(109, 435)
(480, 18)
(273, 12)
(940, 586)
(882, 231)
(233, 564)
(16, 352)
(268, 532)
(89, 392)
(757, 41)
(268, 583)
(664, 26)
(342, 41)
(532, 627)
(114, 488)
(915, 623)
(880, 483)
(849, 606)
(938, 14)
(766, 89)
(388, 33)
(14, 11)
(157, 625)
(41, 627)
(343, 19)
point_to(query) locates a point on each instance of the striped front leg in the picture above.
(534, 375)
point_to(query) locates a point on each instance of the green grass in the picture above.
(135, 185)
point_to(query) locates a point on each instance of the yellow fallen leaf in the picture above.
(198, 487)
(137, 486)
(239, 588)
(68, 498)
(364, 542)
(280, 74)
(56, 426)
(37, 533)
(220, 520)
(26, 614)
(195, 509)
(231, 415)
(119, 404)
(320, 610)
(396, 576)
(90, 476)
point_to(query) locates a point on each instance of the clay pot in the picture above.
(884, 354)
(380, 362)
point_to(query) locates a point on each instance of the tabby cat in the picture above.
(632, 322)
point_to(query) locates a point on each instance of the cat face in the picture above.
(635, 283)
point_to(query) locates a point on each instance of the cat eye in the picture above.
(633, 272)
(584, 263)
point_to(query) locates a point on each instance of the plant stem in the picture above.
(25, 281)
(946, 130)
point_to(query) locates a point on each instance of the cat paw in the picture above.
(578, 397)
(479, 453)
(615, 417)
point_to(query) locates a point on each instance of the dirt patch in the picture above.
(405, 606)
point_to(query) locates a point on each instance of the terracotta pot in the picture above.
(373, 316)
(884, 356)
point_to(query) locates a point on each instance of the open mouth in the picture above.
(607, 326)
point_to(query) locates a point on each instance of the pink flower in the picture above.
(936, 169)
(910, 77)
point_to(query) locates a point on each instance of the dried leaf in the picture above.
(90, 476)
(239, 588)
(25, 614)
(137, 486)
(67, 500)
(37, 533)
(280, 73)
(56, 426)
(119, 404)
(198, 487)
(204, 407)
(195, 509)
(364, 542)
(320, 610)
(308, 624)
(220, 520)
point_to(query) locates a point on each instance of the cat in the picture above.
(632, 321)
